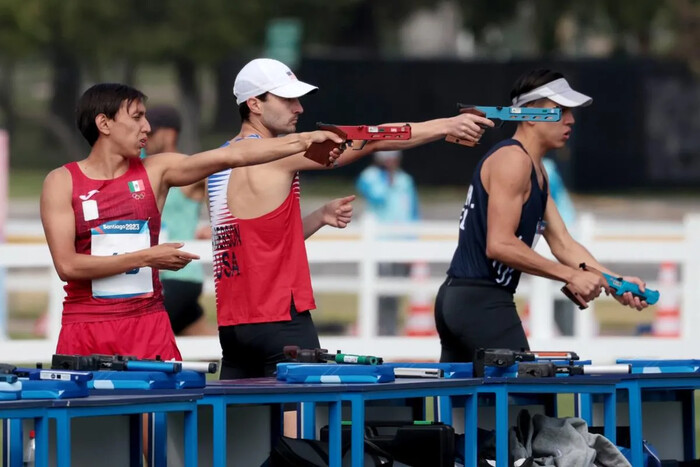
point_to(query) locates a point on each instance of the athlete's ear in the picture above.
(102, 124)
(255, 105)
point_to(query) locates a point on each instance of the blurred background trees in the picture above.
(187, 52)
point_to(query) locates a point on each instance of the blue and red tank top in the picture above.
(260, 264)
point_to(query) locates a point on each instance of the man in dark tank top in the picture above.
(508, 207)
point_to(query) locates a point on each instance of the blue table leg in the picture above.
(6, 440)
(357, 408)
(610, 410)
(159, 439)
(218, 409)
(13, 442)
(501, 407)
(190, 440)
(635, 417)
(63, 438)
(307, 420)
(584, 407)
(470, 429)
(335, 429)
(444, 409)
(41, 430)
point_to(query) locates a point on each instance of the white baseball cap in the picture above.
(267, 75)
(558, 91)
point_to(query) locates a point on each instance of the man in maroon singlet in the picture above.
(101, 217)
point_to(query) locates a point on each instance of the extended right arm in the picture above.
(180, 170)
(463, 126)
(58, 219)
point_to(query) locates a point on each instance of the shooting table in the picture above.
(263, 393)
(99, 439)
(503, 388)
(221, 395)
(409, 388)
(12, 412)
(648, 388)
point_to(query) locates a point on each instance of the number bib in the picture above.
(117, 238)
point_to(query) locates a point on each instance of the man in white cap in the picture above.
(262, 278)
(507, 209)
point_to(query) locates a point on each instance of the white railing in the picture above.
(366, 244)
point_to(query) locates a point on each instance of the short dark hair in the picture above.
(533, 79)
(103, 98)
(244, 110)
(164, 116)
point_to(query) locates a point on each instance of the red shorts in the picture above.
(145, 336)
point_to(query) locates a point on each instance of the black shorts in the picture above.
(472, 314)
(254, 350)
(181, 300)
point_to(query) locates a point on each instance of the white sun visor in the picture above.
(558, 91)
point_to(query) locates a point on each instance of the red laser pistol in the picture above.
(319, 151)
(618, 285)
(502, 114)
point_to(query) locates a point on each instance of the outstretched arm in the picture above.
(336, 213)
(180, 170)
(58, 219)
(463, 126)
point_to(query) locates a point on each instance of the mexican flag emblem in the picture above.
(135, 185)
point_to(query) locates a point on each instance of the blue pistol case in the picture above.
(132, 380)
(332, 373)
(53, 384)
(187, 379)
(10, 388)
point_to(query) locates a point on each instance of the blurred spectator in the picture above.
(180, 216)
(391, 198)
(563, 309)
(390, 192)
(560, 195)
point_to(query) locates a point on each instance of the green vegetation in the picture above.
(49, 54)
(25, 183)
